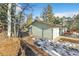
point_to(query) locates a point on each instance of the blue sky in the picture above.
(59, 9)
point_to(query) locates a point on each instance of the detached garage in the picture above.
(40, 29)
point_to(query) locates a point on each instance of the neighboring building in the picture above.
(43, 30)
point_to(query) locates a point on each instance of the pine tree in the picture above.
(56, 20)
(3, 14)
(47, 14)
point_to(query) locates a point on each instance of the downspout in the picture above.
(42, 33)
(52, 34)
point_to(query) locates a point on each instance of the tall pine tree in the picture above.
(47, 14)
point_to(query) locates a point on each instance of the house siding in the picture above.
(44, 31)
(36, 31)
(48, 33)
(41, 30)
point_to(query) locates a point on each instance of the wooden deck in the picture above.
(29, 42)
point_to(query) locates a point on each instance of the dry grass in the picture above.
(3, 36)
(68, 39)
(73, 41)
(9, 46)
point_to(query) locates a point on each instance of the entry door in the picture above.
(55, 32)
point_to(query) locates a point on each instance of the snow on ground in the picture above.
(57, 49)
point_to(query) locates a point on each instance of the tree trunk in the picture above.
(9, 19)
(14, 11)
(15, 29)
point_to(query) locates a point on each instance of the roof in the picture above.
(50, 25)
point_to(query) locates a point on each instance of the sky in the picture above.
(59, 9)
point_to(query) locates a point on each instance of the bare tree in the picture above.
(24, 7)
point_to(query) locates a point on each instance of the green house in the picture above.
(40, 29)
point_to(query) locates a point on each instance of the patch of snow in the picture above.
(57, 49)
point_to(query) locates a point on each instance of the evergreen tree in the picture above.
(68, 24)
(3, 14)
(56, 20)
(47, 14)
(77, 21)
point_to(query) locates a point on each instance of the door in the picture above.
(55, 32)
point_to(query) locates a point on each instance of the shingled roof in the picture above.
(50, 25)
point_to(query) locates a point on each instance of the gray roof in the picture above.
(50, 25)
